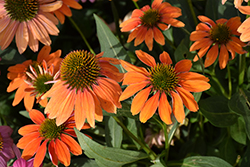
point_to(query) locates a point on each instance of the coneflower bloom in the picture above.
(65, 9)
(216, 39)
(147, 23)
(87, 84)
(237, 3)
(29, 77)
(45, 131)
(244, 28)
(29, 21)
(6, 142)
(157, 83)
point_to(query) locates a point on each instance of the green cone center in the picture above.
(150, 18)
(21, 10)
(49, 129)
(80, 69)
(220, 34)
(39, 83)
(163, 78)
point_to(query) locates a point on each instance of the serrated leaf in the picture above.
(200, 161)
(110, 45)
(107, 156)
(216, 110)
(113, 132)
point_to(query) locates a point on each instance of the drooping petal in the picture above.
(211, 55)
(139, 100)
(62, 152)
(22, 37)
(39, 157)
(80, 114)
(73, 146)
(178, 108)
(25, 140)
(31, 148)
(149, 39)
(223, 57)
(52, 153)
(134, 78)
(146, 58)
(164, 109)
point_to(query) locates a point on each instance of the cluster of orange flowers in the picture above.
(82, 84)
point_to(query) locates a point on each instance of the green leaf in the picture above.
(24, 113)
(200, 161)
(113, 132)
(110, 45)
(83, 162)
(11, 56)
(238, 131)
(216, 110)
(133, 128)
(227, 150)
(107, 156)
(239, 104)
(245, 159)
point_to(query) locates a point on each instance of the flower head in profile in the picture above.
(29, 21)
(87, 84)
(6, 142)
(65, 9)
(244, 28)
(216, 39)
(45, 131)
(161, 81)
(30, 77)
(147, 23)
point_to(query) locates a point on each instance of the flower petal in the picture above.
(211, 56)
(165, 58)
(62, 152)
(187, 98)
(73, 146)
(139, 100)
(146, 58)
(165, 109)
(36, 116)
(178, 108)
(39, 157)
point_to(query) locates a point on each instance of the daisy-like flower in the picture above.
(147, 23)
(244, 28)
(45, 131)
(6, 142)
(87, 84)
(29, 21)
(160, 81)
(29, 77)
(65, 9)
(237, 3)
(216, 39)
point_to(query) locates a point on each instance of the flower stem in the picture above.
(166, 139)
(82, 35)
(151, 154)
(136, 5)
(242, 60)
(192, 11)
(229, 82)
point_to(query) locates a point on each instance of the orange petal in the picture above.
(133, 78)
(36, 116)
(149, 39)
(137, 13)
(165, 58)
(22, 37)
(73, 146)
(158, 36)
(202, 52)
(131, 90)
(145, 58)
(52, 153)
(244, 9)
(206, 20)
(60, 16)
(149, 108)
(25, 140)
(80, 114)
(29, 101)
(62, 152)
(139, 100)
(202, 27)
(129, 67)
(156, 4)
(200, 44)
(72, 4)
(14, 84)
(211, 55)
(141, 35)
(132, 35)
(40, 154)
(195, 85)
(198, 35)
(89, 108)
(192, 76)
(183, 66)
(223, 57)
(98, 109)
(31, 148)
(187, 98)
(28, 129)
(165, 109)
(178, 109)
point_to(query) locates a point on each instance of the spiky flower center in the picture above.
(49, 129)
(21, 10)
(39, 83)
(150, 18)
(80, 69)
(220, 34)
(1, 143)
(163, 78)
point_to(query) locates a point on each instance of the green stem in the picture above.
(166, 139)
(192, 11)
(169, 42)
(82, 35)
(242, 63)
(223, 91)
(136, 5)
(151, 154)
(185, 30)
(229, 82)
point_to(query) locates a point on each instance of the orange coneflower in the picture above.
(160, 81)
(87, 85)
(146, 23)
(244, 28)
(218, 39)
(29, 21)
(65, 9)
(29, 77)
(237, 3)
(45, 131)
